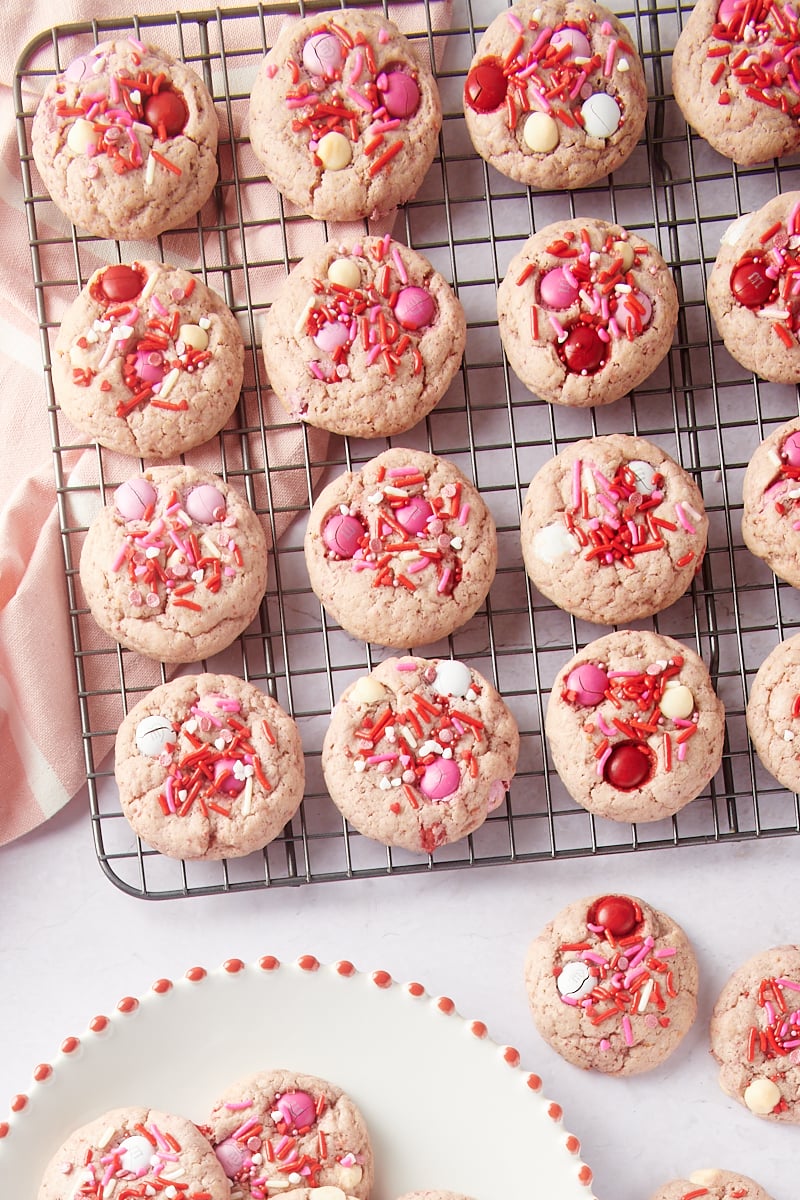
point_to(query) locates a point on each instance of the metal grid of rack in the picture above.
(699, 405)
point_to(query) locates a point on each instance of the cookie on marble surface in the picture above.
(613, 529)
(402, 552)
(612, 984)
(712, 1184)
(126, 1145)
(771, 495)
(634, 726)
(176, 565)
(580, 56)
(208, 766)
(733, 72)
(752, 290)
(363, 338)
(773, 713)
(125, 140)
(586, 311)
(148, 360)
(315, 1123)
(344, 115)
(418, 753)
(755, 1035)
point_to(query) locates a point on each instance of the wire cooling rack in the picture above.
(700, 406)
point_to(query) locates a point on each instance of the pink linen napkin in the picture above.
(41, 751)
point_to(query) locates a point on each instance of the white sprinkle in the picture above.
(204, 323)
(169, 382)
(623, 65)
(788, 736)
(396, 782)
(457, 543)
(359, 765)
(152, 552)
(150, 170)
(219, 744)
(375, 498)
(385, 783)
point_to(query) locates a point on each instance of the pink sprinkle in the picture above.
(601, 764)
(792, 220)
(406, 666)
(569, 1000)
(398, 262)
(316, 370)
(383, 36)
(605, 1044)
(272, 70)
(463, 516)
(114, 89)
(576, 87)
(248, 1125)
(604, 729)
(614, 328)
(444, 582)
(158, 306)
(667, 952)
(557, 326)
(163, 1145)
(358, 99)
(358, 65)
(399, 472)
(594, 957)
(514, 22)
(170, 793)
(382, 758)
(612, 50)
(459, 728)
(419, 564)
(542, 40)
(384, 126)
(540, 98)
(788, 983)
(606, 29)
(120, 557)
(682, 752)
(627, 1031)
(604, 335)
(679, 513)
(140, 46)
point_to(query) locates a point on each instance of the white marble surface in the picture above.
(72, 945)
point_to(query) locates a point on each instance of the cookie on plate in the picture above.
(125, 140)
(755, 1032)
(402, 552)
(634, 726)
(613, 529)
(773, 713)
(771, 495)
(712, 1184)
(586, 311)
(344, 115)
(265, 1123)
(154, 1149)
(208, 766)
(175, 567)
(418, 753)
(733, 75)
(555, 96)
(148, 360)
(751, 290)
(612, 984)
(363, 338)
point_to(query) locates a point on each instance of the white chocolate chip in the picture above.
(761, 1096)
(81, 136)
(554, 542)
(194, 336)
(346, 273)
(334, 151)
(677, 703)
(367, 690)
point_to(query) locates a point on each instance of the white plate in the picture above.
(446, 1106)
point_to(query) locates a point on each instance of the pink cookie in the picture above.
(363, 338)
(418, 753)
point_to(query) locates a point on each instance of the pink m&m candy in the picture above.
(414, 308)
(415, 515)
(589, 684)
(149, 365)
(224, 777)
(726, 10)
(557, 289)
(401, 94)
(791, 449)
(440, 779)
(581, 47)
(206, 504)
(330, 336)
(644, 300)
(297, 1109)
(342, 534)
(322, 55)
(133, 498)
(79, 67)
(232, 1156)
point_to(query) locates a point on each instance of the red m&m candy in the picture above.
(750, 283)
(486, 87)
(619, 915)
(121, 283)
(584, 351)
(628, 766)
(167, 109)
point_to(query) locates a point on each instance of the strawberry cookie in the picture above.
(612, 984)
(586, 312)
(148, 360)
(363, 338)
(634, 726)
(125, 140)
(176, 566)
(555, 96)
(344, 115)
(418, 753)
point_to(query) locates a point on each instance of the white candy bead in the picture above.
(452, 678)
(554, 542)
(152, 735)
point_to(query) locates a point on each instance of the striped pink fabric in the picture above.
(41, 752)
